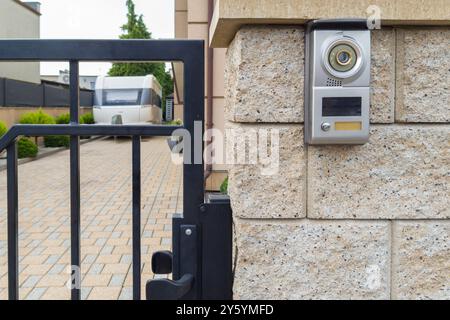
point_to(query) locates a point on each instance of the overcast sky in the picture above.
(99, 19)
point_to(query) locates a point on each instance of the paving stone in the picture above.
(126, 259)
(53, 280)
(36, 269)
(117, 280)
(45, 224)
(107, 250)
(31, 281)
(62, 293)
(107, 259)
(93, 280)
(116, 268)
(147, 234)
(52, 259)
(96, 268)
(36, 294)
(116, 235)
(100, 242)
(85, 291)
(126, 294)
(166, 241)
(90, 258)
(56, 269)
(105, 293)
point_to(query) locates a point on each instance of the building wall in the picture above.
(191, 22)
(86, 82)
(343, 222)
(19, 22)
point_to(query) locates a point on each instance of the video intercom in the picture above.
(337, 82)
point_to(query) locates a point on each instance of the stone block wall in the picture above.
(344, 222)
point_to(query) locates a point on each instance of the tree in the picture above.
(135, 28)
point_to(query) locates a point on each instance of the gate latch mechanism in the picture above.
(163, 263)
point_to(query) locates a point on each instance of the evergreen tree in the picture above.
(135, 28)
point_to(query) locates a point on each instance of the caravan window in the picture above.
(150, 97)
(121, 97)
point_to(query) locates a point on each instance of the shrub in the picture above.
(3, 128)
(56, 141)
(63, 119)
(38, 117)
(26, 148)
(87, 118)
(224, 186)
(177, 122)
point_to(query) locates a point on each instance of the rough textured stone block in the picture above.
(423, 75)
(402, 173)
(312, 260)
(421, 260)
(255, 194)
(382, 102)
(265, 75)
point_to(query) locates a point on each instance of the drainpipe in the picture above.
(210, 86)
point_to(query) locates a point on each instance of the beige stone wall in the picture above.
(344, 222)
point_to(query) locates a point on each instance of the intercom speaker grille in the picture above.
(334, 83)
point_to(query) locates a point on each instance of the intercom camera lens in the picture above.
(342, 57)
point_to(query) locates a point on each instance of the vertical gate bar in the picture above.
(193, 171)
(13, 223)
(75, 183)
(136, 151)
(194, 115)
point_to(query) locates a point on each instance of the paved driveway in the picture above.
(44, 219)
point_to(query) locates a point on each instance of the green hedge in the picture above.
(176, 122)
(63, 119)
(224, 186)
(27, 148)
(38, 117)
(64, 141)
(56, 141)
(3, 128)
(87, 118)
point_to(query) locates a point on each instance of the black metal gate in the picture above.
(201, 260)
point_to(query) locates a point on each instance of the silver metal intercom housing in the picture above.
(337, 82)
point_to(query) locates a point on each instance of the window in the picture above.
(122, 97)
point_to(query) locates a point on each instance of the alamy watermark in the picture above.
(75, 278)
(234, 146)
(374, 17)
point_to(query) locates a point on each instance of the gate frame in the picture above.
(208, 258)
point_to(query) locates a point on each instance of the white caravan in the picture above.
(127, 100)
